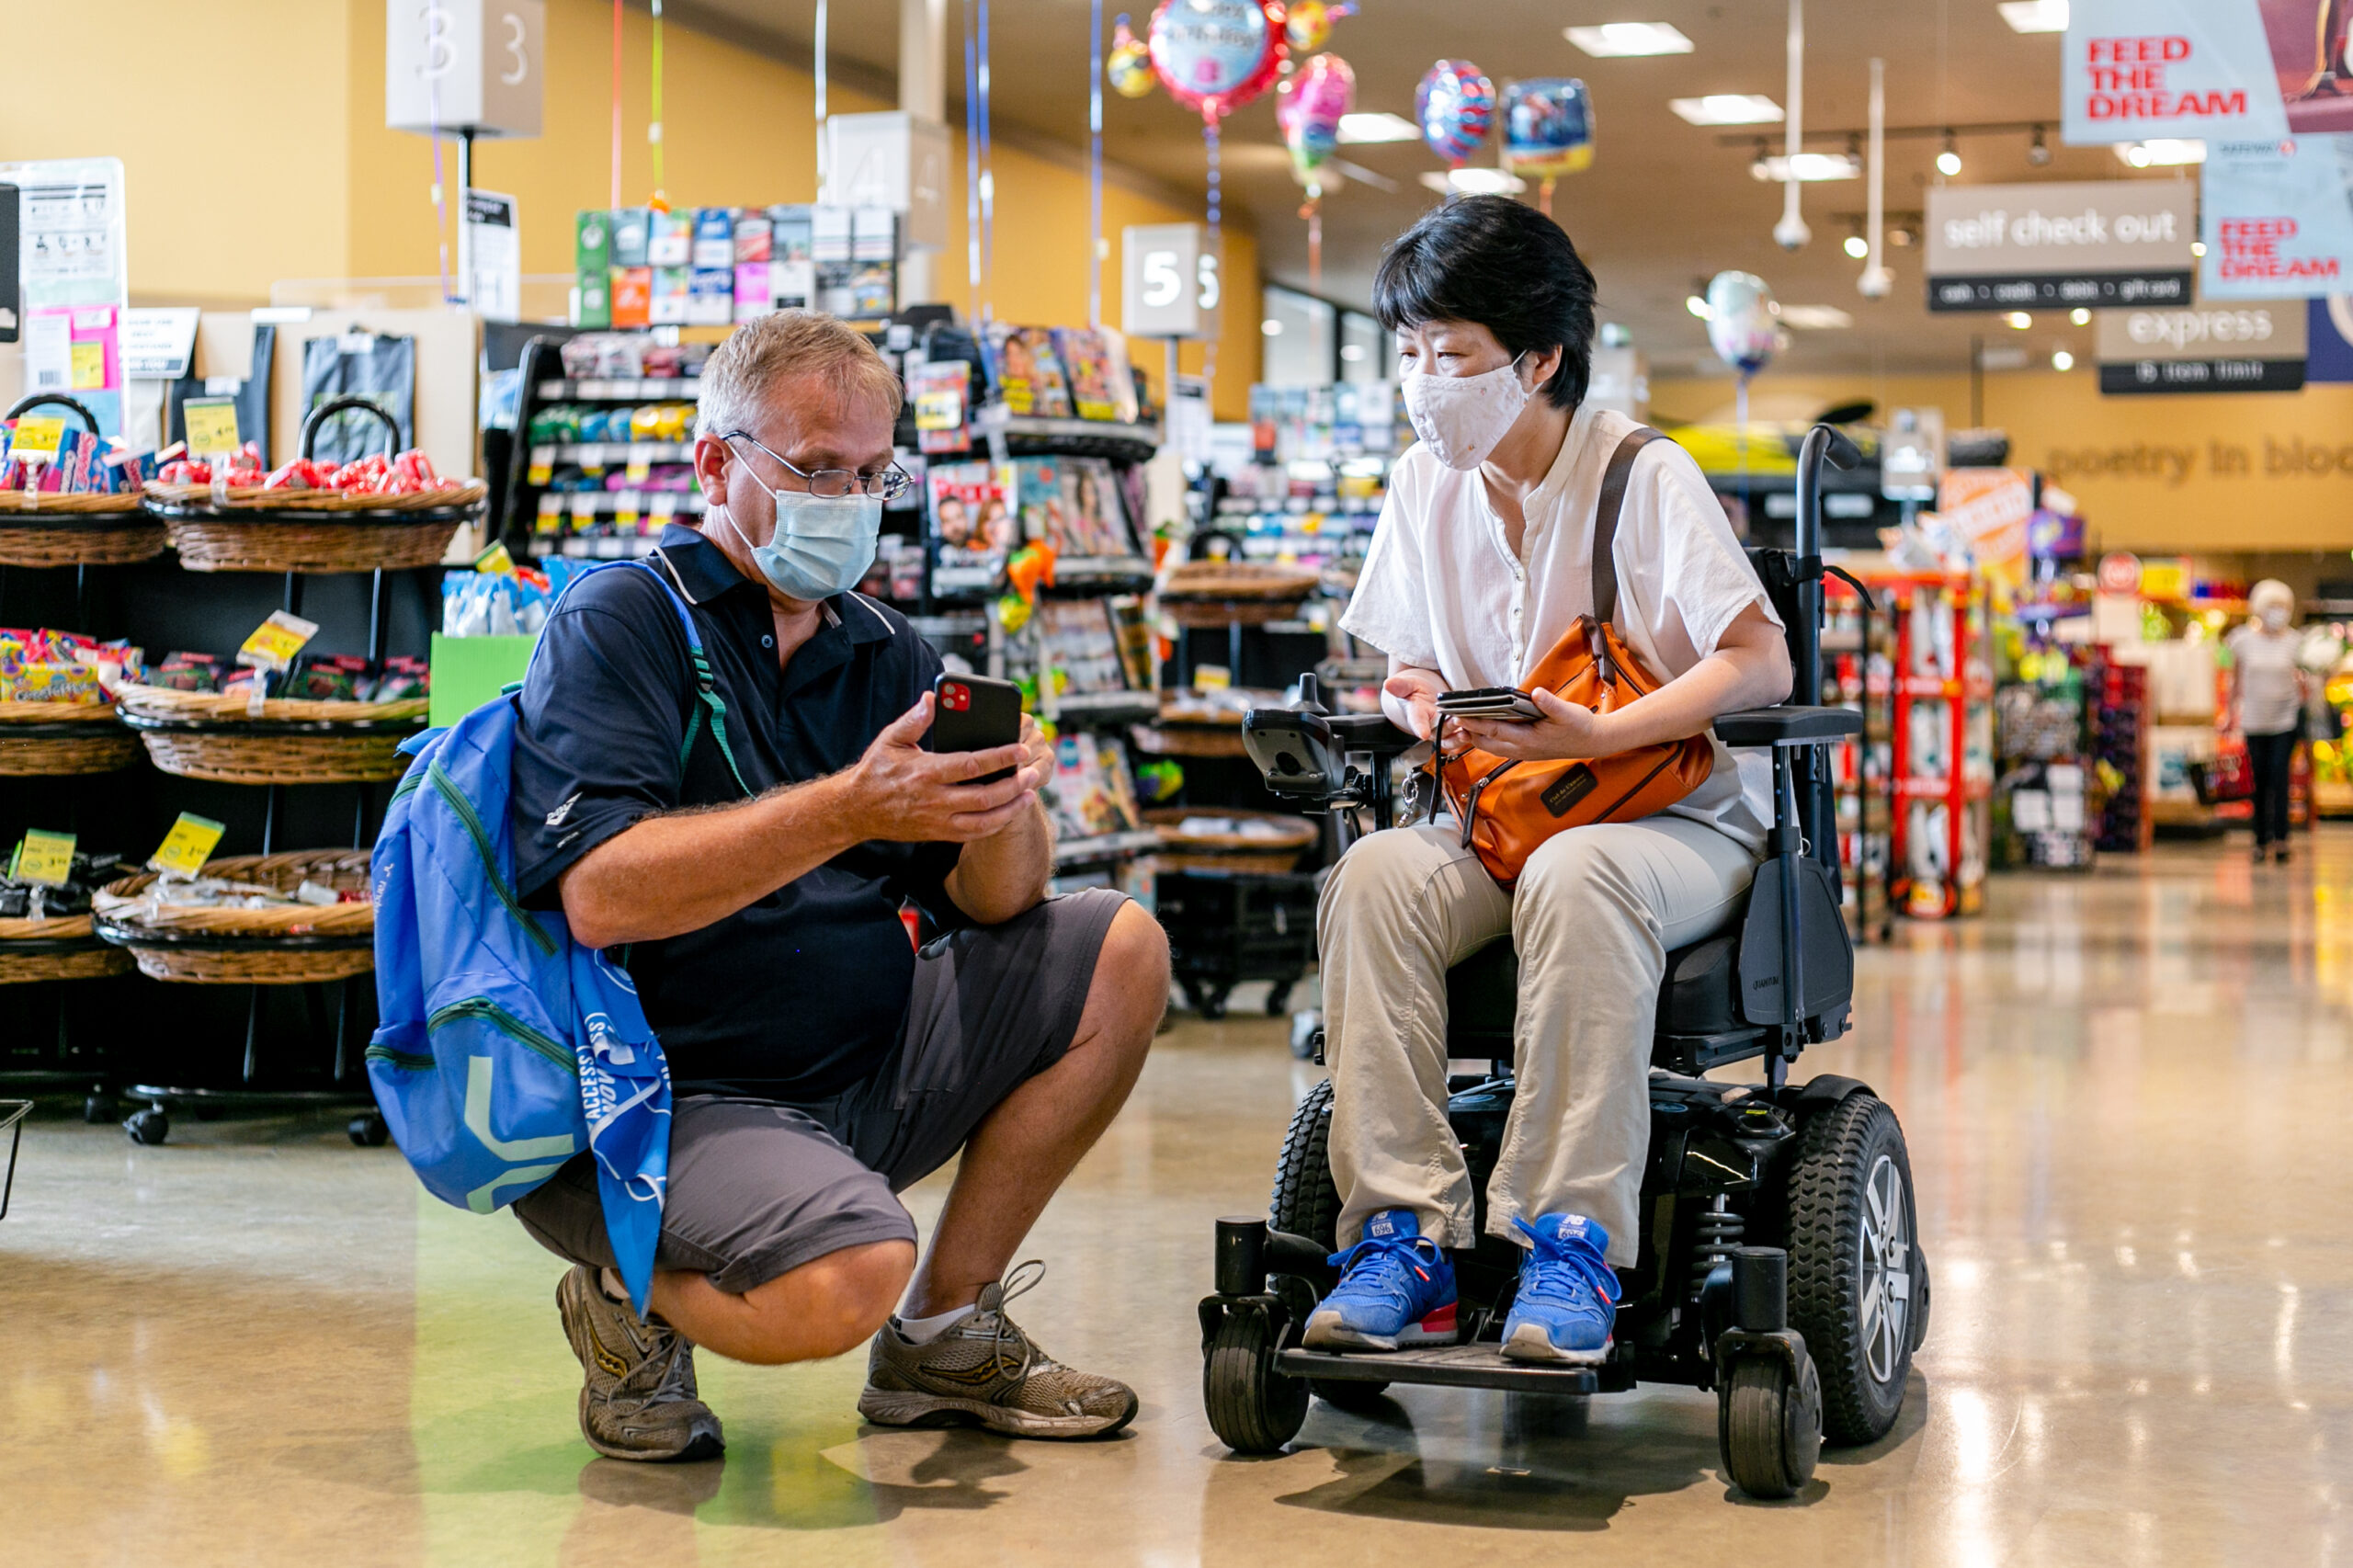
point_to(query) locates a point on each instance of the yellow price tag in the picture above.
(495, 561)
(625, 506)
(641, 462)
(542, 466)
(89, 367)
(211, 425)
(46, 857)
(187, 846)
(38, 436)
(275, 641)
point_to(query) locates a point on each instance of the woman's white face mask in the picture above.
(1460, 418)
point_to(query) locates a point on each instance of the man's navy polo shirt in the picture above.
(801, 994)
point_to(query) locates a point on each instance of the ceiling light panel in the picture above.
(2162, 153)
(1808, 166)
(1816, 318)
(1617, 41)
(2035, 16)
(1477, 180)
(1728, 108)
(1376, 127)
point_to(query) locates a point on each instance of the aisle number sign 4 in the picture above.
(464, 65)
(1157, 261)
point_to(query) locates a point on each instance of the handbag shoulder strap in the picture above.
(1605, 520)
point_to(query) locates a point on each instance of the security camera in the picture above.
(1876, 283)
(1790, 233)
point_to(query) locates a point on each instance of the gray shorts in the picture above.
(759, 1188)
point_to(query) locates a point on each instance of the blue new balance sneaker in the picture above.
(1396, 1287)
(1567, 1297)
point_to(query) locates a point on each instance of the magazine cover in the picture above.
(942, 397)
(971, 526)
(1092, 518)
(1008, 365)
(1034, 486)
(1088, 365)
(1049, 392)
(1075, 636)
(1093, 792)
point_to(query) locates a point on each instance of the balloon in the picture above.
(1309, 23)
(1547, 128)
(1216, 56)
(1455, 105)
(1129, 66)
(1308, 107)
(1742, 325)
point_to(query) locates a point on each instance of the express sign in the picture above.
(2136, 69)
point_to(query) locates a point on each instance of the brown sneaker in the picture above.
(984, 1371)
(639, 1402)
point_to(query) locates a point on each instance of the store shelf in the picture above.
(1028, 435)
(592, 390)
(611, 454)
(615, 503)
(1106, 707)
(1104, 847)
(606, 547)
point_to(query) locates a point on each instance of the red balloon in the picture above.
(1216, 56)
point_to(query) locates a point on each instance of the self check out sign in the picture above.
(2100, 244)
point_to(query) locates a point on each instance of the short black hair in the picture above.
(1502, 264)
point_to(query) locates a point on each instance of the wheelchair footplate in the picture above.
(1478, 1365)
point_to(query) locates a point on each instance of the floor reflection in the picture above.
(2122, 1093)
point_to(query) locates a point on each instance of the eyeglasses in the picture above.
(829, 484)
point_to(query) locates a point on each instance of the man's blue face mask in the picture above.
(822, 545)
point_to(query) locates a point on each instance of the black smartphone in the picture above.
(1507, 703)
(975, 713)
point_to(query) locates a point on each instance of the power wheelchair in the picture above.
(1779, 1263)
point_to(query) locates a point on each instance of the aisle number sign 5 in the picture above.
(465, 64)
(1157, 259)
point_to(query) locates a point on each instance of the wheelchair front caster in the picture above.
(1769, 1426)
(368, 1132)
(1252, 1408)
(148, 1127)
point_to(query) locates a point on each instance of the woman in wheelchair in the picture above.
(1482, 563)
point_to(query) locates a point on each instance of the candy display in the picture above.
(621, 423)
(54, 461)
(25, 899)
(343, 677)
(44, 666)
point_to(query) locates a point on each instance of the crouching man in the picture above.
(750, 846)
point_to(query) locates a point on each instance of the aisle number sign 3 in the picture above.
(1157, 260)
(464, 65)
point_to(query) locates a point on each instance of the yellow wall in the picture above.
(254, 150)
(2166, 473)
(232, 132)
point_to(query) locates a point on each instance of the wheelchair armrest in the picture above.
(1371, 731)
(1787, 725)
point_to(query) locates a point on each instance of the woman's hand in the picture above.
(1418, 691)
(1566, 730)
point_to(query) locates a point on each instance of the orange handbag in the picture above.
(1508, 807)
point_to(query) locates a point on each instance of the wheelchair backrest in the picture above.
(1817, 808)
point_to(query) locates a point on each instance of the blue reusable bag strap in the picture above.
(711, 706)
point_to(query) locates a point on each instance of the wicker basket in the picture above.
(1182, 851)
(62, 737)
(196, 943)
(216, 735)
(1221, 593)
(44, 529)
(248, 528)
(29, 963)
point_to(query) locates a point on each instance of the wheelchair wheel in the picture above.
(1853, 1264)
(1769, 1426)
(1252, 1408)
(1306, 1202)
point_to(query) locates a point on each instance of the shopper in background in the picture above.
(755, 879)
(2268, 692)
(1480, 565)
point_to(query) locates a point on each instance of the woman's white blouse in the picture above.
(1441, 589)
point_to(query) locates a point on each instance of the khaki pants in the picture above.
(1592, 917)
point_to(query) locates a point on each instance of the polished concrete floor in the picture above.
(2128, 1097)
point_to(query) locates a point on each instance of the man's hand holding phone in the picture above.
(902, 792)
